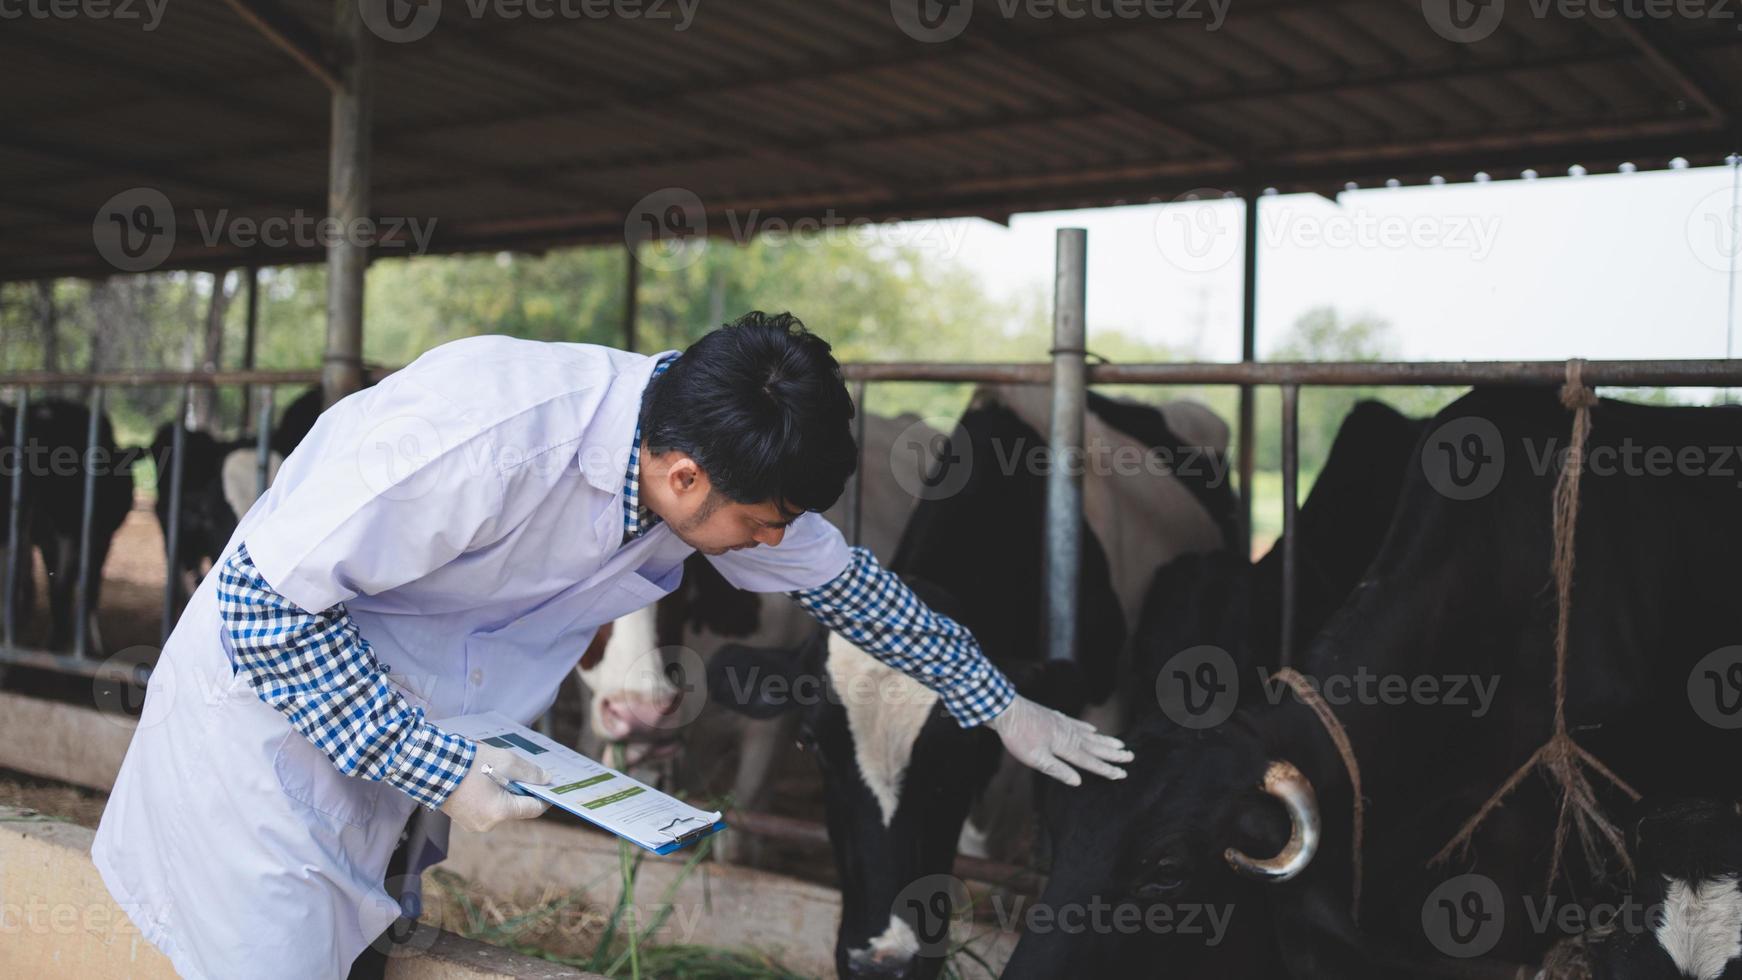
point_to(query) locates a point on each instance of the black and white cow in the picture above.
(900, 776)
(54, 459)
(1460, 591)
(1688, 859)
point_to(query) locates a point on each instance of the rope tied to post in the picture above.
(1561, 757)
(1311, 697)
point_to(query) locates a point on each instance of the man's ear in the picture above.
(683, 476)
(756, 681)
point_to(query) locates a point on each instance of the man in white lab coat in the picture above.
(448, 542)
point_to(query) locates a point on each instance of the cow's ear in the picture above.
(755, 681)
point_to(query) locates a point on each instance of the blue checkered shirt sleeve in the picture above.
(875, 610)
(320, 673)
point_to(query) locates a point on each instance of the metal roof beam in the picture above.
(291, 36)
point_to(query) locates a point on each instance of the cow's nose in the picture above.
(631, 715)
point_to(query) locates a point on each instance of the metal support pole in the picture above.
(250, 338)
(1248, 352)
(1064, 487)
(856, 515)
(1290, 509)
(262, 444)
(172, 534)
(631, 296)
(87, 576)
(15, 557)
(348, 202)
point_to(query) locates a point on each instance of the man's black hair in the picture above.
(761, 407)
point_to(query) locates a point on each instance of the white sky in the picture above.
(1601, 266)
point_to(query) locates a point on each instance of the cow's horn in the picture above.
(1283, 781)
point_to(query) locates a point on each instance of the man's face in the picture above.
(705, 519)
(719, 525)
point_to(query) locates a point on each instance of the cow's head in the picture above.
(631, 695)
(1179, 863)
(899, 776)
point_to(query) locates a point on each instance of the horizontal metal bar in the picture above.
(1713, 373)
(138, 379)
(106, 669)
(776, 827)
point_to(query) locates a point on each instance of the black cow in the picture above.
(220, 481)
(1461, 588)
(54, 459)
(899, 774)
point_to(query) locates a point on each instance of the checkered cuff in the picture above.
(318, 671)
(878, 613)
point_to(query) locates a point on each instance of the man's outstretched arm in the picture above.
(875, 610)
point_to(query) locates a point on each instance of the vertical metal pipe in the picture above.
(94, 458)
(348, 175)
(172, 534)
(1064, 487)
(1290, 509)
(1248, 352)
(250, 338)
(631, 296)
(15, 557)
(262, 443)
(856, 515)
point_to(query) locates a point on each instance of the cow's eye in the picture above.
(1165, 877)
(806, 741)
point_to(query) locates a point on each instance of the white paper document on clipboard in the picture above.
(597, 794)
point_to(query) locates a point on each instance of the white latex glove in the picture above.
(481, 801)
(1052, 742)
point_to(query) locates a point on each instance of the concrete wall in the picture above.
(57, 920)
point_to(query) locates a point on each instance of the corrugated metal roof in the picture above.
(523, 132)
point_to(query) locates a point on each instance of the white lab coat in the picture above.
(468, 512)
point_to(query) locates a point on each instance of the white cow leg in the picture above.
(757, 750)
